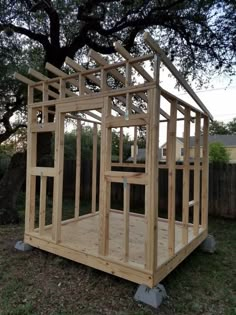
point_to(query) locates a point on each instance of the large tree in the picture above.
(221, 128)
(232, 126)
(218, 128)
(13, 120)
(199, 36)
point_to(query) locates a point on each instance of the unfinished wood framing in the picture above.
(186, 177)
(196, 194)
(140, 245)
(78, 169)
(171, 160)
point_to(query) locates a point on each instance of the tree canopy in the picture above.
(14, 56)
(221, 128)
(87, 144)
(200, 35)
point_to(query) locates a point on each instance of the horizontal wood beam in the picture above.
(133, 120)
(71, 116)
(130, 164)
(126, 177)
(43, 171)
(44, 127)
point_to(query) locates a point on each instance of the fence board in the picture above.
(222, 188)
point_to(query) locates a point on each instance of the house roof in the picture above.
(226, 140)
(141, 156)
(177, 138)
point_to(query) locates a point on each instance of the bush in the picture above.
(218, 153)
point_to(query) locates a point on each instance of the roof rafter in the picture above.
(124, 53)
(155, 47)
(129, 94)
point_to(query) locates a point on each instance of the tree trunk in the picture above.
(10, 186)
(14, 178)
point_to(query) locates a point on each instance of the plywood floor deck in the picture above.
(83, 235)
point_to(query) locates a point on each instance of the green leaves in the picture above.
(221, 128)
(199, 36)
(218, 153)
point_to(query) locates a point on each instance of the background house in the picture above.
(228, 141)
(179, 150)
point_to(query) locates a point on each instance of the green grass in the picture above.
(39, 283)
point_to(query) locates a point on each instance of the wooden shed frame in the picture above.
(142, 248)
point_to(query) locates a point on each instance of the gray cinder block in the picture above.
(152, 297)
(20, 245)
(209, 245)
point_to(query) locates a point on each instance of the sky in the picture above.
(220, 100)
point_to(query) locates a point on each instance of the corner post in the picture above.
(105, 165)
(151, 200)
(185, 208)
(205, 174)
(58, 179)
(31, 162)
(94, 168)
(78, 169)
(196, 197)
(171, 155)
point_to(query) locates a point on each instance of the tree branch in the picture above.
(171, 5)
(42, 39)
(100, 48)
(4, 136)
(47, 6)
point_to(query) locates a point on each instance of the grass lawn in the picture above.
(40, 283)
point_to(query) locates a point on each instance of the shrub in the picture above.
(218, 153)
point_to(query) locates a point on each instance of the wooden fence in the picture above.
(222, 189)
